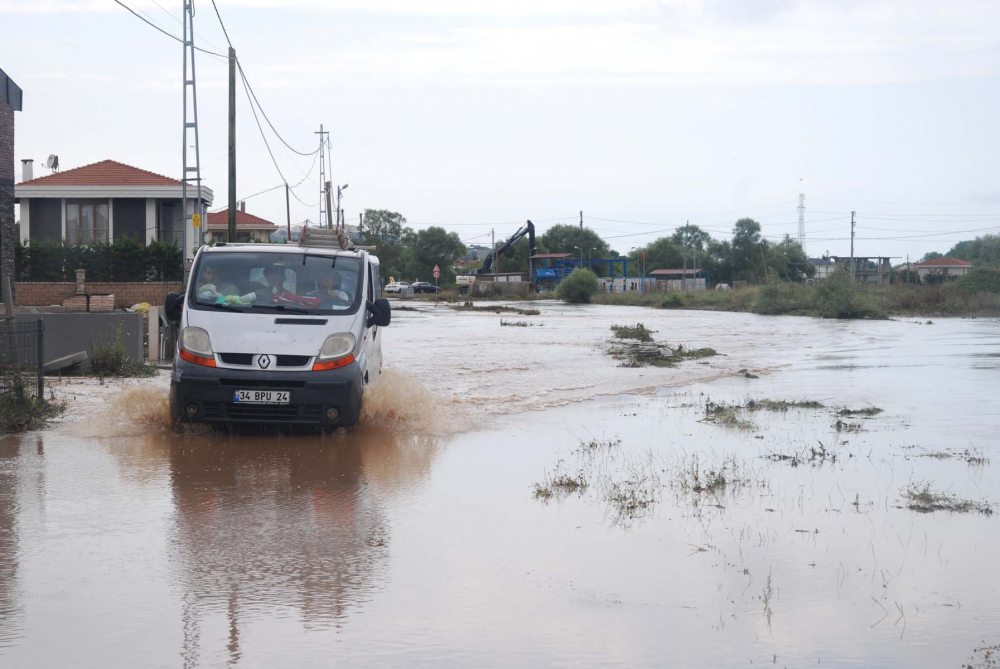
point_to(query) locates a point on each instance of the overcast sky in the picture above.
(479, 115)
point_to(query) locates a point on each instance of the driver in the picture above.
(214, 280)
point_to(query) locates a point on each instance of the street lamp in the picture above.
(339, 189)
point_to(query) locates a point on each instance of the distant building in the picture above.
(943, 266)
(105, 201)
(824, 267)
(249, 228)
(10, 102)
(680, 279)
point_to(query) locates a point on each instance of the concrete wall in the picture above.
(44, 293)
(69, 333)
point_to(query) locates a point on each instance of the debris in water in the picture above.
(921, 498)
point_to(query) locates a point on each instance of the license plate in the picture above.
(261, 397)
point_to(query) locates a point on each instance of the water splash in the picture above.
(138, 409)
(399, 400)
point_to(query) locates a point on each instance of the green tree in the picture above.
(387, 232)
(578, 287)
(433, 246)
(931, 255)
(788, 261)
(566, 239)
(663, 253)
(748, 251)
(982, 251)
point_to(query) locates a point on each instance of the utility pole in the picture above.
(323, 207)
(232, 145)
(684, 273)
(852, 247)
(288, 213)
(802, 220)
(581, 220)
(188, 45)
(493, 236)
(361, 225)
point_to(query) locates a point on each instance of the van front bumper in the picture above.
(206, 395)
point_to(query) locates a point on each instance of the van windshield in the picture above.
(296, 282)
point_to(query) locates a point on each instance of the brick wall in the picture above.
(43, 294)
(6, 190)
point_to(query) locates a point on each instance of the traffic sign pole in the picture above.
(437, 275)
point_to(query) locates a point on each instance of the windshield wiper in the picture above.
(219, 305)
(282, 307)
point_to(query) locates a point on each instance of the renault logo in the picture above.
(264, 361)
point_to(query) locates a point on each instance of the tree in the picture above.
(565, 239)
(433, 246)
(982, 251)
(931, 255)
(664, 253)
(578, 287)
(387, 232)
(695, 238)
(788, 261)
(748, 251)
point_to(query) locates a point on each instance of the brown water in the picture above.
(417, 540)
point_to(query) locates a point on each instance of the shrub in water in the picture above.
(578, 287)
(776, 297)
(838, 297)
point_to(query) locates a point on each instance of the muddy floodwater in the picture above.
(519, 497)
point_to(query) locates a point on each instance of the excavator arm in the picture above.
(527, 229)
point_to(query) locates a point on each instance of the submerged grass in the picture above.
(727, 415)
(638, 332)
(782, 405)
(867, 412)
(495, 309)
(560, 484)
(921, 498)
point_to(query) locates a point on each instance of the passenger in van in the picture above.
(330, 288)
(275, 278)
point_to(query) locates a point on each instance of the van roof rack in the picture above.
(318, 237)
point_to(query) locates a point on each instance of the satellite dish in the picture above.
(52, 162)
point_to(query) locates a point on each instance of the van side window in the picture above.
(371, 291)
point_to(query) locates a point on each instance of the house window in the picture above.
(86, 222)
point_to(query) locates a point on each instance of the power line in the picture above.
(246, 82)
(170, 35)
(228, 41)
(268, 190)
(167, 12)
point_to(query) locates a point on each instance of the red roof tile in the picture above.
(944, 262)
(104, 173)
(243, 219)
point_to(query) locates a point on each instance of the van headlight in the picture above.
(337, 346)
(196, 340)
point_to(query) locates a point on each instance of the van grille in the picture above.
(254, 383)
(261, 412)
(293, 360)
(237, 358)
(246, 359)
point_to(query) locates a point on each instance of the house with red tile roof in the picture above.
(249, 228)
(106, 201)
(949, 267)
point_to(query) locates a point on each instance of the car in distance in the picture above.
(395, 286)
(424, 287)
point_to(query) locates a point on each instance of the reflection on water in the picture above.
(10, 612)
(296, 523)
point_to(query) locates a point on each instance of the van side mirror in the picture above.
(173, 306)
(379, 313)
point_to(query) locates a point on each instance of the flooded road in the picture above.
(792, 537)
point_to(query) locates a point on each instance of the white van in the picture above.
(277, 334)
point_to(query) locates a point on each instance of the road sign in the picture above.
(436, 272)
(196, 220)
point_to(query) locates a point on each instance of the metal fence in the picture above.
(22, 358)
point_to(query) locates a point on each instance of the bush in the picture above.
(981, 280)
(672, 300)
(839, 297)
(20, 412)
(777, 297)
(110, 359)
(578, 287)
(124, 260)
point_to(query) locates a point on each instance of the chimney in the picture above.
(243, 206)
(27, 169)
